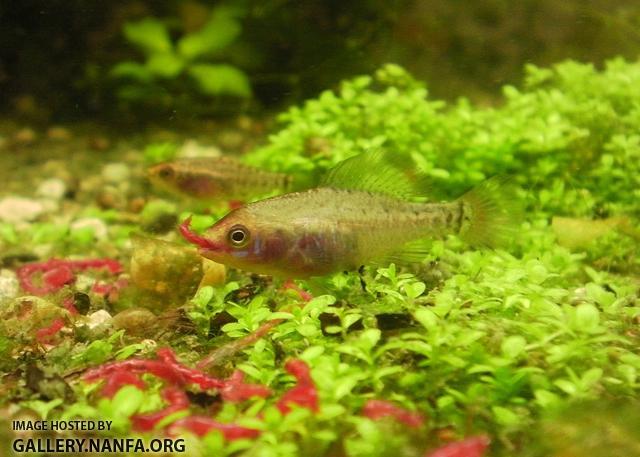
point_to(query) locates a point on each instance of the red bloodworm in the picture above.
(70, 305)
(303, 294)
(167, 356)
(236, 390)
(470, 447)
(193, 237)
(304, 394)
(171, 370)
(376, 409)
(56, 273)
(201, 425)
(120, 379)
(177, 400)
(44, 334)
(155, 367)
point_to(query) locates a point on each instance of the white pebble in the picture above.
(116, 173)
(53, 188)
(98, 318)
(9, 286)
(20, 209)
(99, 227)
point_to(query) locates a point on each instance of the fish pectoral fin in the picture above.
(380, 172)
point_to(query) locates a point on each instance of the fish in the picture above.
(363, 212)
(216, 179)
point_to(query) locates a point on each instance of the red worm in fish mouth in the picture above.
(193, 237)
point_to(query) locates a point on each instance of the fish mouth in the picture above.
(206, 246)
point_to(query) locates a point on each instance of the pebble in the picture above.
(9, 286)
(136, 321)
(58, 133)
(98, 318)
(53, 188)
(191, 148)
(25, 136)
(99, 143)
(214, 273)
(20, 209)
(100, 230)
(116, 173)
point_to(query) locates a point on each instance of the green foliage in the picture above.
(479, 341)
(186, 65)
(569, 135)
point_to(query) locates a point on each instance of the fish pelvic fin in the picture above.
(492, 213)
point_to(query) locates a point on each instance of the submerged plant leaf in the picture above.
(149, 34)
(220, 79)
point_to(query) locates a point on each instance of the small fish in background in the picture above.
(216, 179)
(361, 213)
(575, 233)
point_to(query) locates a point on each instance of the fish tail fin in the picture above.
(491, 213)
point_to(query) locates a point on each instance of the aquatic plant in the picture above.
(192, 63)
(424, 359)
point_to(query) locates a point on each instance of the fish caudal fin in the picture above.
(492, 213)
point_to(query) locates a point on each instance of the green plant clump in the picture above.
(190, 64)
(479, 341)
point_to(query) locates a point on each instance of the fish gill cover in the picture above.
(467, 348)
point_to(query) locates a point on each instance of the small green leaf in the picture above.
(308, 330)
(221, 30)
(427, 318)
(221, 80)
(43, 408)
(164, 65)
(513, 346)
(587, 318)
(505, 416)
(132, 70)
(8, 233)
(127, 400)
(370, 337)
(149, 34)
(415, 289)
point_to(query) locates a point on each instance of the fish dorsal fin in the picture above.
(376, 171)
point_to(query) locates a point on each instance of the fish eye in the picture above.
(238, 236)
(165, 172)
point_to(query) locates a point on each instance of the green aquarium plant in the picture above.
(521, 344)
(192, 64)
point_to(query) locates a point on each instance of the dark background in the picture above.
(55, 55)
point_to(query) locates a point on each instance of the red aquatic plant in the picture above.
(44, 334)
(56, 273)
(469, 447)
(304, 394)
(377, 409)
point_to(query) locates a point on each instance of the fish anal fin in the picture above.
(411, 253)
